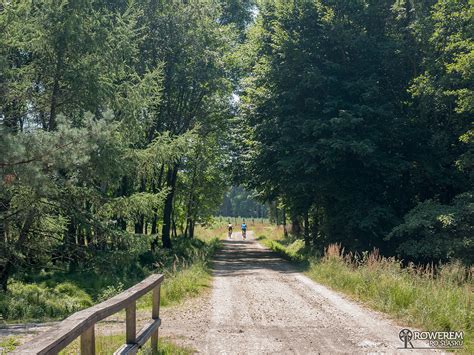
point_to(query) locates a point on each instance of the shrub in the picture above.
(35, 302)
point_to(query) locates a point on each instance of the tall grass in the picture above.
(432, 297)
(187, 278)
(56, 296)
(187, 274)
(38, 302)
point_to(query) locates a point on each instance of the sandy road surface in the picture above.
(261, 304)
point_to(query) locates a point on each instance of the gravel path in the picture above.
(260, 304)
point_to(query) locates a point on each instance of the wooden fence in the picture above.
(83, 324)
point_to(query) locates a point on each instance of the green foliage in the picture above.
(110, 291)
(187, 283)
(443, 303)
(103, 106)
(8, 344)
(240, 203)
(357, 113)
(39, 302)
(294, 251)
(436, 231)
(56, 295)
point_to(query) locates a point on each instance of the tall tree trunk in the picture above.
(191, 228)
(55, 93)
(7, 268)
(175, 230)
(315, 228)
(139, 225)
(306, 230)
(285, 231)
(154, 222)
(295, 226)
(277, 214)
(5, 271)
(141, 219)
(171, 178)
(70, 244)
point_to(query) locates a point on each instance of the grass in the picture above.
(107, 344)
(188, 282)
(432, 298)
(54, 296)
(187, 274)
(8, 344)
(34, 301)
(219, 227)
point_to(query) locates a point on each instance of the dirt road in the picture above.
(261, 304)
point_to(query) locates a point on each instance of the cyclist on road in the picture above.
(229, 230)
(244, 230)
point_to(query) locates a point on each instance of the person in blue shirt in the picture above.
(244, 230)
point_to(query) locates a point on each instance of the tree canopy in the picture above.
(361, 116)
(126, 119)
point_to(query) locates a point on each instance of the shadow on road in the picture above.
(239, 257)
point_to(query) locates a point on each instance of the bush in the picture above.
(39, 302)
(434, 231)
(52, 296)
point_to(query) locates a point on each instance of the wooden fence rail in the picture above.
(83, 324)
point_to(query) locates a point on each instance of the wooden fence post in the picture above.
(88, 341)
(131, 323)
(155, 314)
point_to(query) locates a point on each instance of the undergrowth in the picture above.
(53, 295)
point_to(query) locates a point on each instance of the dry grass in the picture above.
(219, 228)
(431, 297)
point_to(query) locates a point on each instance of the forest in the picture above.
(240, 203)
(124, 124)
(360, 123)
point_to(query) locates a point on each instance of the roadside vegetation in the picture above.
(107, 344)
(56, 295)
(124, 124)
(432, 297)
(359, 119)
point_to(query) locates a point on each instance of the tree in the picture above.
(100, 106)
(195, 85)
(337, 135)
